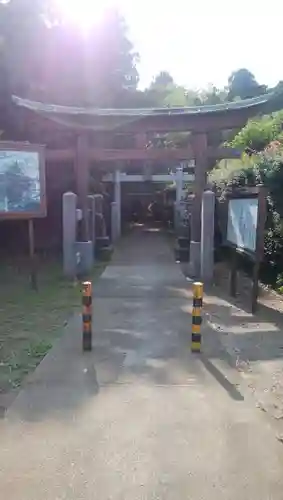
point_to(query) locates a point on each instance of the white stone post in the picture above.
(207, 236)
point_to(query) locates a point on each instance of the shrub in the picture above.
(266, 168)
(259, 132)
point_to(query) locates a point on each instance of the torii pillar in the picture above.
(82, 180)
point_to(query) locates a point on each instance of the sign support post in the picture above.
(33, 273)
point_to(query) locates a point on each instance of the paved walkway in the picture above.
(139, 418)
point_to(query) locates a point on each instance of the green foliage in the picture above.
(212, 95)
(228, 172)
(176, 96)
(259, 132)
(265, 168)
(163, 92)
(162, 80)
(166, 93)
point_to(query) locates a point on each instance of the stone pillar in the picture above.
(177, 204)
(207, 236)
(84, 257)
(98, 203)
(117, 200)
(69, 234)
(200, 152)
(91, 199)
(114, 222)
(99, 217)
(179, 184)
(176, 216)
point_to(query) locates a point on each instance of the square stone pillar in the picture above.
(176, 216)
(199, 143)
(84, 257)
(91, 207)
(99, 217)
(179, 184)
(117, 200)
(69, 234)
(114, 222)
(207, 237)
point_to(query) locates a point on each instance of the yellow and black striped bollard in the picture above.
(87, 316)
(196, 317)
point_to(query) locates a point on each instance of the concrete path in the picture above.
(139, 418)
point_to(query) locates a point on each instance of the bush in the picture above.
(259, 132)
(266, 168)
(231, 172)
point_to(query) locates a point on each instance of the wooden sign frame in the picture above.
(40, 150)
(259, 193)
(29, 216)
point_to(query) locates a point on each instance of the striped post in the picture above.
(196, 316)
(87, 316)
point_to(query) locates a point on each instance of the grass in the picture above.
(30, 321)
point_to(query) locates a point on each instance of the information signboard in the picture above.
(22, 189)
(242, 223)
(245, 232)
(22, 181)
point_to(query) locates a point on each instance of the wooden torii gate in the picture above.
(102, 123)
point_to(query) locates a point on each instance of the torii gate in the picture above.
(101, 123)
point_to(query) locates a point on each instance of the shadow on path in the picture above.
(139, 336)
(221, 379)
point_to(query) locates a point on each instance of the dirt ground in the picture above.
(255, 342)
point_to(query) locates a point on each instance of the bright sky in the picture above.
(203, 41)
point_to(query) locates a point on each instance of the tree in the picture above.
(258, 133)
(163, 79)
(104, 60)
(17, 185)
(47, 59)
(22, 30)
(176, 96)
(243, 85)
(212, 95)
(159, 89)
(164, 92)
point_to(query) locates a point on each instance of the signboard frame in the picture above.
(259, 193)
(29, 215)
(40, 150)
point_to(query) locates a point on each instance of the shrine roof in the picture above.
(45, 108)
(224, 115)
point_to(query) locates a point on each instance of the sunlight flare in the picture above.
(84, 13)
